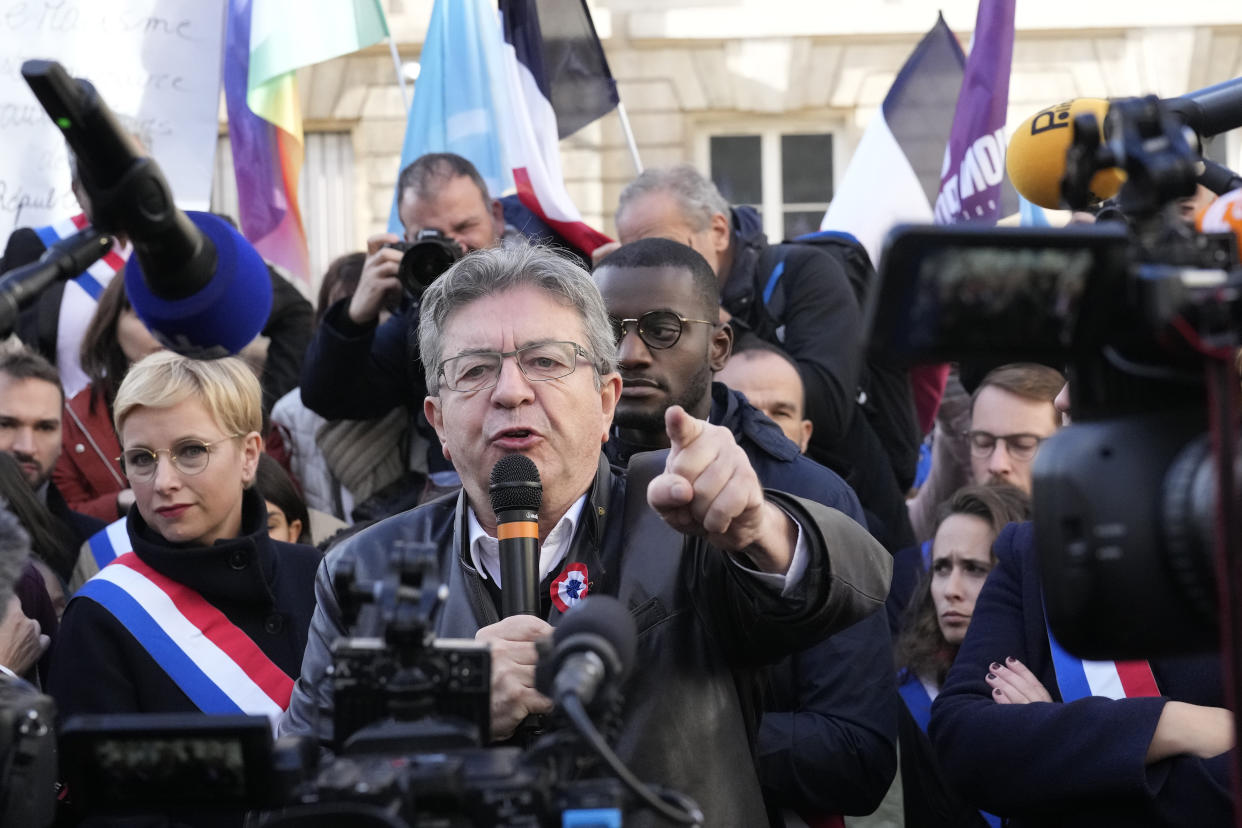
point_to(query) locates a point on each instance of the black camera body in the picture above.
(1143, 315)
(425, 259)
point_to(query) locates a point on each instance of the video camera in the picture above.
(1131, 504)
(410, 723)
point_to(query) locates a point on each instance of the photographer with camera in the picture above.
(440, 192)
(756, 574)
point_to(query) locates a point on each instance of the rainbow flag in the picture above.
(266, 42)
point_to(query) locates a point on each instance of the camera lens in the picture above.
(425, 259)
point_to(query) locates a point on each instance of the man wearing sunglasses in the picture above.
(719, 574)
(660, 296)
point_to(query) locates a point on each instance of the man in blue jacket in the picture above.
(826, 741)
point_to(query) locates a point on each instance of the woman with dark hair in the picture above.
(87, 473)
(287, 517)
(933, 629)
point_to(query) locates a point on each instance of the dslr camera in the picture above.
(425, 259)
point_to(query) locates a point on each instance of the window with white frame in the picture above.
(786, 174)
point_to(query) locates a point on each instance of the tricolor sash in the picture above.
(1078, 679)
(214, 663)
(99, 273)
(918, 699)
(109, 543)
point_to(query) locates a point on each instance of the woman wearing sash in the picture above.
(933, 628)
(207, 613)
(1021, 735)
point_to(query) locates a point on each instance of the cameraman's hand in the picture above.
(514, 696)
(378, 286)
(21, 641)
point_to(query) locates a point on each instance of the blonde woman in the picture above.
(208, 612)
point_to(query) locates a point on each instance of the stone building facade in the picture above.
(770, 95)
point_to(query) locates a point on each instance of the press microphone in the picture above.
(193, 280)
(594, 644)
(1035, 159)
(63, 260)
(516, 495)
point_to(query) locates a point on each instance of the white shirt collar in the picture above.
(485, 550)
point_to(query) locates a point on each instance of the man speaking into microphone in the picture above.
(720, 575)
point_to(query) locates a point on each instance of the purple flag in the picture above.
(973, 176)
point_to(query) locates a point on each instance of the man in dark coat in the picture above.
(719, 574)
(819, 323)
(827, 740)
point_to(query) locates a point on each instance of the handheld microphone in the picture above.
(595, 643)
(193, 280)
(63, 260)
(1035, 160)
(516, 494)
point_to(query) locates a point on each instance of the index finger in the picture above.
(682, 428)
(377, 241)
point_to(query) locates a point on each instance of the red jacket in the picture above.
(87, 473)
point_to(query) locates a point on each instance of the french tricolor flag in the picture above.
(894, 175)
(558, 82)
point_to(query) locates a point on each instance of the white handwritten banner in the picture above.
(155, 62)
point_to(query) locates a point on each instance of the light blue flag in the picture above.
(461, 75)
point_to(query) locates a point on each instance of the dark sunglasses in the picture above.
(659, 329)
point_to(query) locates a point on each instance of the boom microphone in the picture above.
(516, 494)
(193, 280)
(63, 260)
(594, 643)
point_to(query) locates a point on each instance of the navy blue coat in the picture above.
(1075, 764)
(827, 739)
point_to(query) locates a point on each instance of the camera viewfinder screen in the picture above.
(957, 294)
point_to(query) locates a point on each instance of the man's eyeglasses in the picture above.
(539, 363)
(1019, 446)
(188, 457)
(659, 329)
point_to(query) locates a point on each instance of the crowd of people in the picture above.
(817, 646)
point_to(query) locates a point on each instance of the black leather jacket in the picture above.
(703, 624)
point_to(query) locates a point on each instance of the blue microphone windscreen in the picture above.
(226, 314)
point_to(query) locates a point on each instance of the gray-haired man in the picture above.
(732, 577)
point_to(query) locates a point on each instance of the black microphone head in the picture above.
(515, 484)
(598, 624)
(23, 247)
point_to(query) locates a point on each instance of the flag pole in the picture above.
(629, 136)
(396, 62)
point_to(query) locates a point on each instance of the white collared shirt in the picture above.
(485, 551)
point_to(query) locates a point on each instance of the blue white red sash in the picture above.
(214, 663)
(918, 701)
(109, 543)
(1078, 679)
(99, 273)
